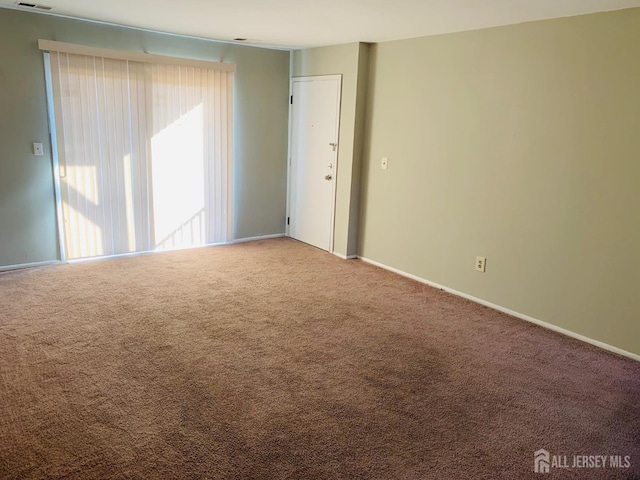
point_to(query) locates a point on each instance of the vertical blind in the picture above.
(144, 154)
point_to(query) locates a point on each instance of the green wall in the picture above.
(520, 144)
(27, 208)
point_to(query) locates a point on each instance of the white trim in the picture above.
(336, 158)
(29, 265)
(76, 49)
(513, 313)
(288, 206)
(345, 257)
(231, 103)
(260, 237)
(54, 155)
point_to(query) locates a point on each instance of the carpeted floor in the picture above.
(274, 360)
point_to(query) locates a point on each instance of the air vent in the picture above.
(252, 41)
(33, 5)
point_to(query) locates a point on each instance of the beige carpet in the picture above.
(273, 360)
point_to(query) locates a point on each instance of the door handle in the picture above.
(328, 177)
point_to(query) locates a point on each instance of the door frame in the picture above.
(312, 78)
(55, 163)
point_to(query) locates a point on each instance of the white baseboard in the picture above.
(28, 265)
(345, 257)
(513, 313)
(260, 237)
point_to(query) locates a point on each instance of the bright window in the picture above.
(143, 153)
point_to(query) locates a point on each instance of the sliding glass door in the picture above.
(143, 154)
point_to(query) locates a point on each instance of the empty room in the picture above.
(330, 240)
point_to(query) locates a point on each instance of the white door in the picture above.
(315, 116)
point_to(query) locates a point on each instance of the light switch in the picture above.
(385, 163)
(37, 149)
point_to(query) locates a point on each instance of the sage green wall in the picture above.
(521, 144)
(349, 60)
(359, 132)
(27, 208)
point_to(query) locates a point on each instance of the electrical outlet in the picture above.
(385, 163)
(481, 264)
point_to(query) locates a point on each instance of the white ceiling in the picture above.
(307, 23)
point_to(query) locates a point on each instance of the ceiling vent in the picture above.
(32, 5)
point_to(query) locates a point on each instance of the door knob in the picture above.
(328, 177)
